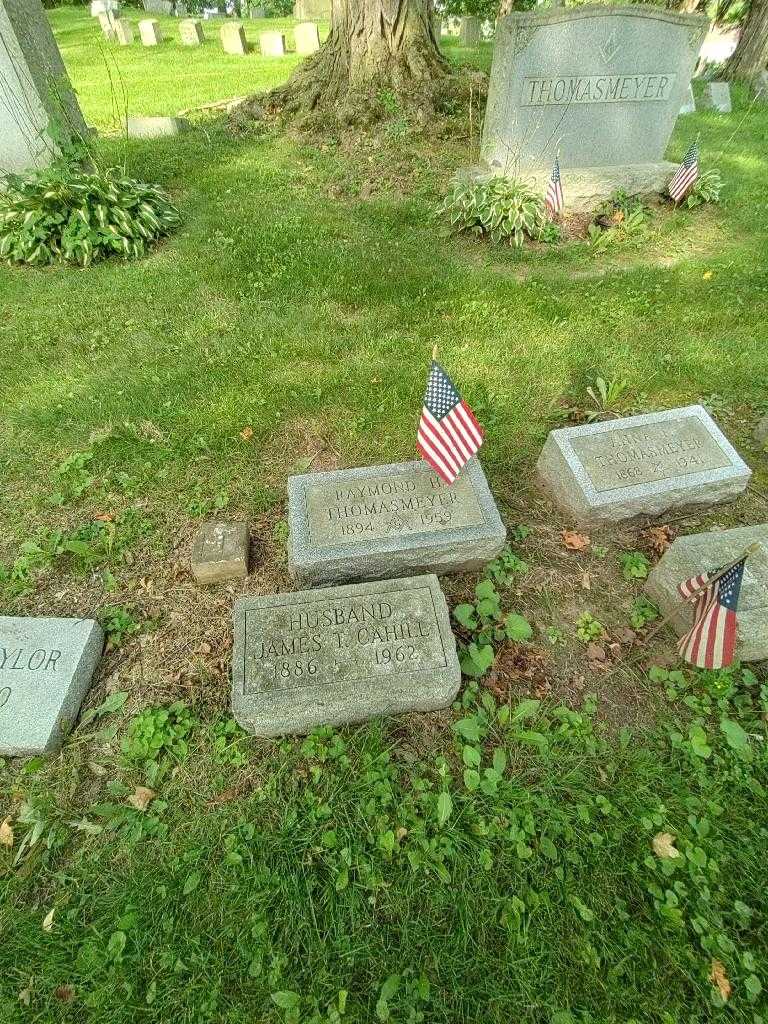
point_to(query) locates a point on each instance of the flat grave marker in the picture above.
(233, 39)
(703, 552)
(46, 668)
(393, 520)
(641, 465)
(272, 44)
(307, 36)
(220, 552)
(150, 32)
(191, 32)
(342, 654)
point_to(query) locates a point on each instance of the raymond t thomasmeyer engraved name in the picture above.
(597, 89)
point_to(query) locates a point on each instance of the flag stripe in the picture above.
(438, 437)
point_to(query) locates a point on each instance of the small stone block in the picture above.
(761, 432)
(641, 465)
(717, 96)
(703, 552)
(220, 552)
(307, 36)
(386, 521)
(272, 44)
(233, 38)
(123, 32)
(155, 127)
(469, 32)
(689, 105)
(342, 654)
(191, 32)
(150, 32)
(46, 668)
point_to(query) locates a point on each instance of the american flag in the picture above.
(554, 197)
(448, 435)
(686, 174)
(711, 640)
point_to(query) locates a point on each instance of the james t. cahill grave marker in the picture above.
(342, 654)
(641, 465)
(602, 86)
(384, 521)
(46, 667)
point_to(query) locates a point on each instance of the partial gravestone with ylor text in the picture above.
(641, 465)
(46, 668)
(600, 85)
(707, 552)
(191, 32)
(394, 520)
(342, 654)
(307, 36)
(35, 93)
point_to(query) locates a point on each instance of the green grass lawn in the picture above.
(333, 879)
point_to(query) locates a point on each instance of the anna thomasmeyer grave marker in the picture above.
(384, 521)
(342, 654)
(46, 667)
(641, 465)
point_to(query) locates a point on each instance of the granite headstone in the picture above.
(46, 667)
(393, 520)
(717, 96)
(641, 465)
(123, 32)
(150, 32)
(704, 552)
(220, 552)
(272, 44)
(342, 654)
(469, 32)
(600, 85)
(155, 127)
(307, 38)
(191, 32)
(689, 104)
(233, 38)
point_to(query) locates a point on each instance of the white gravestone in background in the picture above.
(307, 38)
(272, 44)
(150, 32)
(601, 86)
(35, 93)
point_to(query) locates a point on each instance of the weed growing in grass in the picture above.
(589, 628)
(643, 611)
(486, 624)
(634, 565)
(118, 623)
(155, 734)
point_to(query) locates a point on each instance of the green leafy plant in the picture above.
(487, 625)
(69, 215)
(634, 565)
(643, 611)
(504, 209)
(157, 731)
(621, 218)
(589, 628)
(609, 397)
(228, 740)
(118, 623)
(502, 570)
(706, 189)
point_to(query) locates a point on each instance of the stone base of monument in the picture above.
(702, 552)
(585, 188)
(342, 654)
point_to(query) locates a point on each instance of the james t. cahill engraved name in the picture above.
(597, 89)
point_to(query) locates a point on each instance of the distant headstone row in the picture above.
(376, 637)
(716, 96)
(231, 33)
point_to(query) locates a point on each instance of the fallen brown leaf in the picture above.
(141, 798)
(595, 652)
(659, 539)
(64, 993)
(586, 581)
(105, 517)
(663, 846)
(246, 433)
(576, 541)
(719, 979)
(6, 833)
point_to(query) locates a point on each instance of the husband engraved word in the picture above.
(389, 521)
(641, 465)
(46, 667)
(342, 654)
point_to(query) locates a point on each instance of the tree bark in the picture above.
(377, 49)
(751, 55)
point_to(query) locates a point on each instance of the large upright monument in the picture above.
(600, 86)
(37, 104)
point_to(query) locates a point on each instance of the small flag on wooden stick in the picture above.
(448, 434)
(554, 198)
(711, 640)
(685, 175)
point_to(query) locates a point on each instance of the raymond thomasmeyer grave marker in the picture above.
(46, 667)
(342, 654)
(601, 86)
(641, 465)
(395, 520)
(703, 552)
(220, 552)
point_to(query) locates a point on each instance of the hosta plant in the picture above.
(70, 215)
(504, 209)
(706, 189)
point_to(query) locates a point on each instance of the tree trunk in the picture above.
(378, 52)
(751, 55)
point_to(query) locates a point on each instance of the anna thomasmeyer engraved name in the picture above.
(542, 92)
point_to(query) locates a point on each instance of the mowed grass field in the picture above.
(507, 859)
